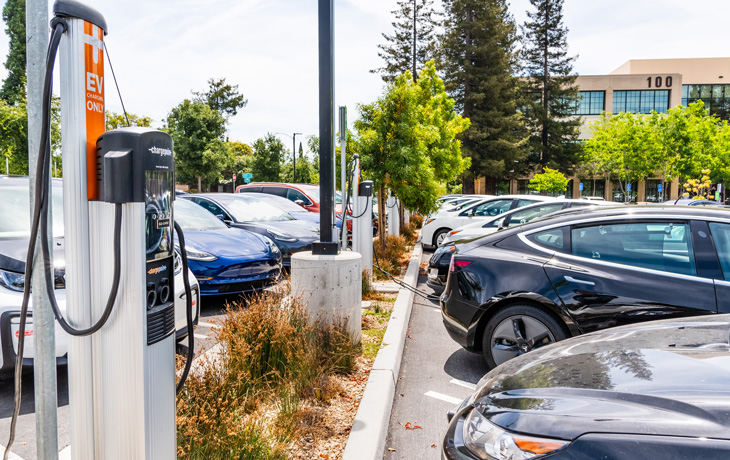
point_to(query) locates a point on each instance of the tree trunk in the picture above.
(490, 185)
(199, 185)
(467, 183)
(402, 214)
(382, 218)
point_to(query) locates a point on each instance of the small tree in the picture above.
(118, 120)
(267, 155)
(222, 97)
(550, 181)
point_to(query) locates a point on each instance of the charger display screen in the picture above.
(158, 214)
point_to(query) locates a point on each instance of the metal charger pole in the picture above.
(42, 324)
(343, 172)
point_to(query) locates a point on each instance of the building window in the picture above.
(620, 197)
(590, 103)
(523, 188)
(594, 187)
(715, 97)
(503, 187)
(652, 193)
(641, 101)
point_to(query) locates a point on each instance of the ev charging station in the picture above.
(118, 218)
(362, 225)
(121, 379)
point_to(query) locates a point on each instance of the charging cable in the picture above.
(188, 310)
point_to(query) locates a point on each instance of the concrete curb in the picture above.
(370, 428)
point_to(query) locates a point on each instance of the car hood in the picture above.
(14, 252)
(299, 229)
(230, 243)
(661, 378)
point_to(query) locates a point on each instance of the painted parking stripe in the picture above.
(464, 384)
(443, 397)
(209, 325)
(12, 456)
(200, 336)
(65, 453)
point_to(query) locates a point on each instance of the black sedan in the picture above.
(525, 287)
(239, 210)
(656, 391)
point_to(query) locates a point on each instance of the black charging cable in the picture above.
(188, 310)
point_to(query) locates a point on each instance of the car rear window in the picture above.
(555, 239)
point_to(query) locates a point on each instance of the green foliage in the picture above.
(407, 139)
(14, 135)
(550, 92)
(267, 157)
(480, 63)
(117, 120)
(13, 89)
(551, 180)
(411, 45)
(313, 146)
(240, 159)
(197, 132)
(222, 97)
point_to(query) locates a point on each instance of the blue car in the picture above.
(238, 210)
(226, 260)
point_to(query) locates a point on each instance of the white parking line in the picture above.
(443, 397)
(200, 336)
(65, 453)
(464, 384)
(209, 325)
(12, 456)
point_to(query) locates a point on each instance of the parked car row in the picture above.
(643, 389)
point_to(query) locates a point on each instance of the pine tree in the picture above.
(13, 89)
(412, 43)
(550, 91)
(480, 63)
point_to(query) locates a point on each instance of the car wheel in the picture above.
(516, 330)
(440, 236)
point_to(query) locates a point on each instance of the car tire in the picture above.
(439, 236)
(535, 327)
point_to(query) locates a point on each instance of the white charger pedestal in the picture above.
(330, 287)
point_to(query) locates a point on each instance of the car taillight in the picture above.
(462, 263)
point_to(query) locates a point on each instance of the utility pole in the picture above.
(294, 156)
(44, 365)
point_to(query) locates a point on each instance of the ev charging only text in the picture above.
(94, 90)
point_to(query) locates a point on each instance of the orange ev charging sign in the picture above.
(94, 89)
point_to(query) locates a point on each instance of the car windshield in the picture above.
(15, 211)
(282, 203)
(194, 218)
(246, 209)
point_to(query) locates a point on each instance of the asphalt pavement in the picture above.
(436, 374)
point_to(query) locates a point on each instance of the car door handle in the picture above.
(574, 280)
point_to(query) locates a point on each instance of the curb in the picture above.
(370, 427)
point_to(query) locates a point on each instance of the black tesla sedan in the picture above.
(528, 286)
(655, 390)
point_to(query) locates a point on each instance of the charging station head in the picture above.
(74, 9)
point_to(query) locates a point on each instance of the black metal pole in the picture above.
(327, 244)
(294, 158)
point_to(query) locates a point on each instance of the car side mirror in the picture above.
(299, 202)
(471, 212)
(221, 217)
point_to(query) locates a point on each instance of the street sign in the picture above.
(580, 186)
(719, 188)
(628, 187)
(247, 177)
(659, 187)
(234, 178)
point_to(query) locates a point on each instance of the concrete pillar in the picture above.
(576, 187)
(391, 209)
(608, 190)
(330, 287)
(674, 192)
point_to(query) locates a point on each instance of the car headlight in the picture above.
(13, 281)
(177, 261)
(281, 237)
(490, 442)
(274, 248)
(428, 221)
(196, 254)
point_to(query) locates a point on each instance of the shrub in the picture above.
(272, 355)
(392, 258)
(417, 219)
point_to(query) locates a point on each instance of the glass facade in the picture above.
(590, 103)
(641, 101)
(503, 187)
(652, 193)
(619, 196)
(595, 187)
(523, 188)
(715, 97)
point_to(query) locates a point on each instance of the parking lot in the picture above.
(436, 374)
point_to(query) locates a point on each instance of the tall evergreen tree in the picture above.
(550, 90)
(480, 63)
(13, 89)
(413, 41)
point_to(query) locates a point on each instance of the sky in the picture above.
(162, 50)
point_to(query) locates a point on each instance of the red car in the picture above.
(305, 195)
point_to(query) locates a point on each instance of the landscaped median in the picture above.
(279, 387)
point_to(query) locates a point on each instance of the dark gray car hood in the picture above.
(661, 378)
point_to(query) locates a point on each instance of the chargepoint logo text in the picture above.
(161, 151)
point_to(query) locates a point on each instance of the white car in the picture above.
(517, 217)
(437, 227)
(14, 232)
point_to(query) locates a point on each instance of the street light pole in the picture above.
(294, 156)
